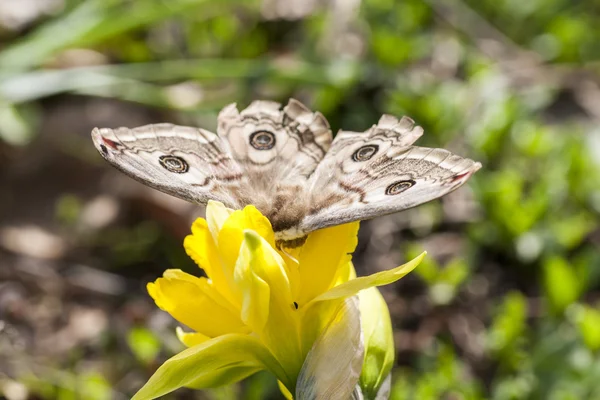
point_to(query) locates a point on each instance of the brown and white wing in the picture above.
(379, 172)
(190, 163)
(276, 144)
(278, 148)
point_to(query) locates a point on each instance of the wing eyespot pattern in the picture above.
(399, 187)
(174, 164)
(262, 140)
(365, 153)
(104, 149)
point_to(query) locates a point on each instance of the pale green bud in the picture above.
(378, 344)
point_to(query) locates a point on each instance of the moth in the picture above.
(286, 162)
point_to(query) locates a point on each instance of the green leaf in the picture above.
(381, 278)
(17, 124)
(588, 322)
(454, 273)
(216, 362)
(95, 387)
(561, 284)
(92, 22)
(510, 323)
(260, 386)
(144, 344)
(570, 231)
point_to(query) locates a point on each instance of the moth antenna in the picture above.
(283, 247)
(294, 259)
(291, 257)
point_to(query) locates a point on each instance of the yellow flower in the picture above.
(259, 308)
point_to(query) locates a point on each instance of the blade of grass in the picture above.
(34, 85)
(92, 22)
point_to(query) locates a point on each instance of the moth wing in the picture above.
(190, 163)
(268, 140)
(279, 149)
(379, 172)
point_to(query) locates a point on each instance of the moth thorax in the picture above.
(286, 210)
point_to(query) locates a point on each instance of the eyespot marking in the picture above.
(174, 164)
(399, 187)
(104, 149)
(262, 140)
(365, 153)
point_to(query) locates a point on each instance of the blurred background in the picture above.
(506, 304)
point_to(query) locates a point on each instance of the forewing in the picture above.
(378, 172)
(281, 144)
(190, 163)
(278, 148)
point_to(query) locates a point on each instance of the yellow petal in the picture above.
(190, 338)
(232, 233)
(275, 319)
(210, 364)
(323, 253)
(268, 264)
(281, 335)
(256, 293)
(260, 272)
(345, 273)
(315, 317)
(191, 301)
(353, 286)
(201, 247)
(284, 391)
(216, 215)
(208, 286)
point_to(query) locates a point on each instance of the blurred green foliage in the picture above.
(510, 83)
(144, 344)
